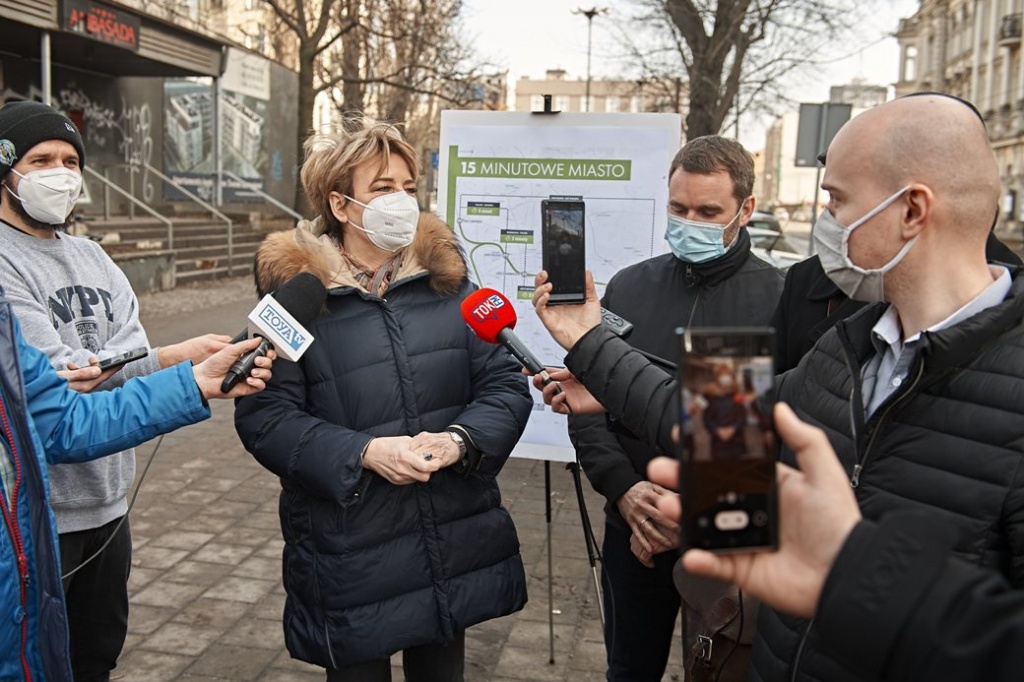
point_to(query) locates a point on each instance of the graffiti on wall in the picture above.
(130, 129)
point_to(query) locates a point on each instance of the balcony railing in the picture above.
(1009, 30)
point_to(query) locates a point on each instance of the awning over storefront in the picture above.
(106, 38)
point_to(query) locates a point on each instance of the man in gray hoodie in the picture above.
(76, 305)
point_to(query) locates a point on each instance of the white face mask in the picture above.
(831, 241)
(389, 220)
(48, 195)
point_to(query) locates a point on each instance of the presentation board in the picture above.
(495, 168)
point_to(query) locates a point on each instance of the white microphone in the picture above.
(279, 319)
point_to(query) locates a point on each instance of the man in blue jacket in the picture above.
(43, 421)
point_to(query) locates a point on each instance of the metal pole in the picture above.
(551, 573)
(218, 161)
(822, 132)
(44, 65)
(588, 537)
(106, 195)
(590, 31)
(589, 14)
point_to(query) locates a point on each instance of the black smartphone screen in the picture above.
(564, 249)
(729, 447)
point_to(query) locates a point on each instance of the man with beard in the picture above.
(76, 306)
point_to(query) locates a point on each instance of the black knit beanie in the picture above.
(23, 125)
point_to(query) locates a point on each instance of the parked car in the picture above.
(765, 221)
(771, 246)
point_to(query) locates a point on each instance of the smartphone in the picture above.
(564, 249)
(123, 358)
(728, 446)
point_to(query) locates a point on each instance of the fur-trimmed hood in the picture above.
(282, 255)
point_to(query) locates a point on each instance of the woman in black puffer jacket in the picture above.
(389, 432)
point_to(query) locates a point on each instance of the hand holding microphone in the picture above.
(209, 374)
(279, 320)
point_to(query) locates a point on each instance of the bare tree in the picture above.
(404, 57)
(317, 25)
(736, 53)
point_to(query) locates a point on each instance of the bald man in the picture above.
(921, 394)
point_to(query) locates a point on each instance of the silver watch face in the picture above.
(458, 441)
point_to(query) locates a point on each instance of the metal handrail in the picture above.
(257, 190)
(136, 202)
(213, 211)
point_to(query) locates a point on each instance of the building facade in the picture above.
(606, 96)
(972, 49)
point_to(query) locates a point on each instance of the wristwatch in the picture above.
(458, 440)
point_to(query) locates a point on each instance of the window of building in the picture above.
(587, 103)
(253, 4)
(910, 64)
(636, 103)
(612, 104)
(561, 103)
(536, 102)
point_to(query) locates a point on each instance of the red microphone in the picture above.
(491, 317)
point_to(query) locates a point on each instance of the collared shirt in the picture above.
(887, 369)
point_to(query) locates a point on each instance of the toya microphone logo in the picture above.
(488, 310)
(282, 327)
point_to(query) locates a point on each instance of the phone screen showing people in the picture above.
(564, 249)
(728, 446)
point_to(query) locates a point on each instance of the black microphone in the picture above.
(302, 297)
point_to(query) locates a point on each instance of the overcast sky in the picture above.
(530, 36)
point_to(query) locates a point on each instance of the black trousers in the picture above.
(96, 598)
(427, 663)
(641, 606)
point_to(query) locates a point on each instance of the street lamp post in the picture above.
(589, 14)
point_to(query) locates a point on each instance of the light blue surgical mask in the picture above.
(695, 242)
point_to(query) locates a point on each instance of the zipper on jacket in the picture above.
(800, 650)
(859, 466)
(696, 299)
(10, 513)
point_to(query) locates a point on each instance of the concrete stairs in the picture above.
(200, 252)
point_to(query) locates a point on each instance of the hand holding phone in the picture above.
(123, 358)
(729, 448)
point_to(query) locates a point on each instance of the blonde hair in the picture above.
(331, 160)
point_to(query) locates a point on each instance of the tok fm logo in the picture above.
(488, 310)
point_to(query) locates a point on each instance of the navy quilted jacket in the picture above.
(371, 568)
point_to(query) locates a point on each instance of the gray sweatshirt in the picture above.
(73, 302)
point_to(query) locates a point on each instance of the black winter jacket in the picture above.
(949, 447)
(736, 289)
(371, 568)
(949, 443)
(936, 619)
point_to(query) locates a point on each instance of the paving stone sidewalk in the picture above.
(206, 594)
